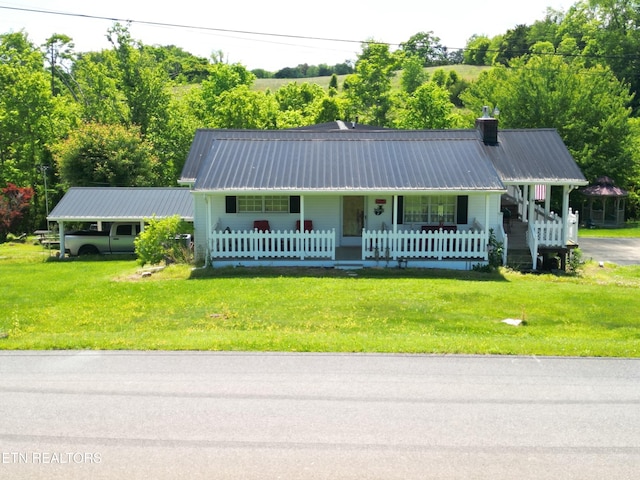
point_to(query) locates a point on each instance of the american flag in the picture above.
(541, 192)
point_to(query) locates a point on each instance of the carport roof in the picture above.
(110, 204)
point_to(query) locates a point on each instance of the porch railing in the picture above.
(429, 245)
(280, 244)
(548, 232)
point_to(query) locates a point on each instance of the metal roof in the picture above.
(335, 159)
(340, 164)
(118, 203)
(204, 140)
(534, 156)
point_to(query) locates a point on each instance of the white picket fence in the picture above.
(279, 244)
(429, 245)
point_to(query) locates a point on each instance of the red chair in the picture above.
(261, 225)
(308, 225)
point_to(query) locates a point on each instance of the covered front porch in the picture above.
(355, 230)
(419, 248)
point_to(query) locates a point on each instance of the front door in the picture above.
(352, 220)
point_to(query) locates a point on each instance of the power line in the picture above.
(192, 27)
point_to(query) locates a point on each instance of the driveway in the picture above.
(622, 251)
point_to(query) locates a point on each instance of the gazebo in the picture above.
(606, 203)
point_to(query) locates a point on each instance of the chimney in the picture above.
(488, 127)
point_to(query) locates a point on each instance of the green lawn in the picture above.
(630, 230)
(106, 304)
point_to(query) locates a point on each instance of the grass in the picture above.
(630, 230)
(466, 72)
(106, 304)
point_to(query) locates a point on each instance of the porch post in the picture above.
(565, 214)
(394, 243)
(395, 215)
(207, 250)
(525, 207)
(547, 200)
(301, 246)
(531, 215)
(61, 232)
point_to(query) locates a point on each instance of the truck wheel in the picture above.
(88, 250)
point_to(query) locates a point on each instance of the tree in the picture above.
(588, 106)
(241, 107)
(368, 90)
(141, 79)
(514, 44)
(427, 108)
(59, 50)
(476, 51)
(106, 155)
(14, 202)
(608, 31)
(30, 117)
(427, 48)
(413, 74)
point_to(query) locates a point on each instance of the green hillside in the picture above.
(467, 72)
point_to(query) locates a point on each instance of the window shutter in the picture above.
(231, 204)
(294, 204)
(400, 210)
(463, 209)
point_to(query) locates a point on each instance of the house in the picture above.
(104, 205)
(341, 195)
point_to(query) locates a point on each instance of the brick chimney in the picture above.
(488, 127)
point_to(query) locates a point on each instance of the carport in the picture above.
(120, 204)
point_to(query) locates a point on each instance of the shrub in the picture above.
(165, 240)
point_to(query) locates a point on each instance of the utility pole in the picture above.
(44, 169)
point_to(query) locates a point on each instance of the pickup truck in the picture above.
(118, 239)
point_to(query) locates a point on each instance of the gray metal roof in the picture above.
(117, 203)
(341, 164)
(534, 156)
(204, 140)
(333, 159)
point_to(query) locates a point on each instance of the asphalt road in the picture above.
(622, 251)
(156, 415)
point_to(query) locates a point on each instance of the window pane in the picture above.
(278, 203)
(433, 209)
(250, 203)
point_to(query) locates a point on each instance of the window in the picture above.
(260, 204)
(430, 209)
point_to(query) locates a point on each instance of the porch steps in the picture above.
(349, 265)
(518, 256)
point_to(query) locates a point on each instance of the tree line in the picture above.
(126, 116)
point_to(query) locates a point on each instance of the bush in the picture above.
(167, 239)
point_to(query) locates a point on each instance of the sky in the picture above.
(271, 34)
